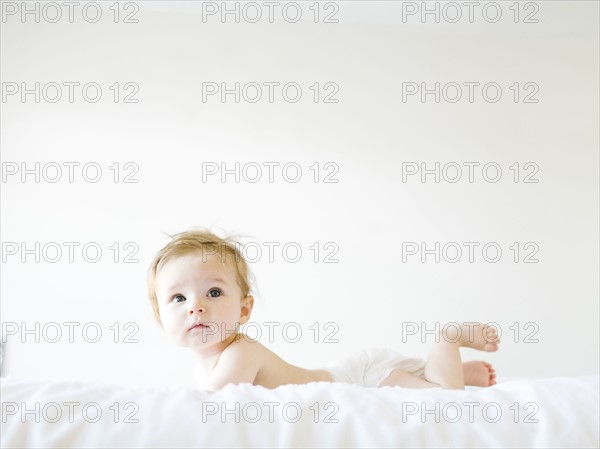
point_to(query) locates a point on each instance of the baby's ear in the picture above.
(246, 308)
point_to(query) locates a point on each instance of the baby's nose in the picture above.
(196, 310)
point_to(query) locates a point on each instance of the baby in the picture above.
(200, 293)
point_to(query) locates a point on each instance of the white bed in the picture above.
(553, 412)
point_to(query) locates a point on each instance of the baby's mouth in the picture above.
(198, 326)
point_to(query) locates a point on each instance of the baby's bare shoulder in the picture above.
(244, 361)
(244, 348)
(239, 362)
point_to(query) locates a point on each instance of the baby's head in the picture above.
(207, 245)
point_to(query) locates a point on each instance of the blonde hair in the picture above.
(202, 241)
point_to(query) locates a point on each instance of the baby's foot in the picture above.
(482, 337)
(479, 374)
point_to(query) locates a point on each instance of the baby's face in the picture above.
(199, 300)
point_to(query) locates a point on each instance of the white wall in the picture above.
(369, 133)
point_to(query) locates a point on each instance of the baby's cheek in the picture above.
(169, 324)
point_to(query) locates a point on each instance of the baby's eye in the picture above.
(214, 292)
(178, 298)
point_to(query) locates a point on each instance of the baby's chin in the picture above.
(200, 340)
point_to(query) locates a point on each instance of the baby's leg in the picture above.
(444, 366)
(404, 379)
(479, 374)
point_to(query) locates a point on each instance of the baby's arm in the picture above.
(239, 363)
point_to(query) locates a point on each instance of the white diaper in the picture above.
(370, 367)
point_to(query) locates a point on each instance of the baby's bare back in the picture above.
(246, 360)
(275, 372)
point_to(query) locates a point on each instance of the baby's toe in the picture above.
(491, 335)
(490, 347)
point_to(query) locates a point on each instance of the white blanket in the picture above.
(555, 412)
